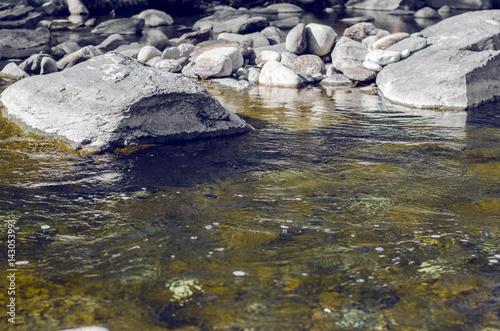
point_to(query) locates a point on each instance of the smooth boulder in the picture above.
(115, 101)
(456, 71)
(124, 26)
(274, 73)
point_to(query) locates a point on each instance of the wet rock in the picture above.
(147, 53)
(21, 43)
(288, 59)
(19, 17)
(124, 26)
(457, 70)
(427, 12)
(112, 42)
(296, 39)
(13, 70)
(79, 56)
(63, 49)
(309, 64)
(153, 17)
(235, 84)
(389, 40)
(115, 101)
(274, 35)
(412, 44)
(267, 56)
(169, 65)
(218, 62)
(242, 39)
(383, 57)
(336, 80)
(444, 10)
(155, 38)
(274, 73)
(348, 53)
(360, 31)
(195, 37)
(172, 53)
(76, 7)
(461, 4)
(320, 38)
(285, 8)
(377, 4)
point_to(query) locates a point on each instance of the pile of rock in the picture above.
(242, 47)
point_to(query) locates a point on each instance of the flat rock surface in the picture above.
(114, 101)
(457, 71)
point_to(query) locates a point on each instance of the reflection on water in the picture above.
(340, 211)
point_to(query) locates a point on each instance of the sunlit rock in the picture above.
(114, 101)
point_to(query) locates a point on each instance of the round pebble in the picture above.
(239, 273)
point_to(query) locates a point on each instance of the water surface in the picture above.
(340, 211)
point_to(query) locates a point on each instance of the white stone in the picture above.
(147, 53)
(274, 73)
(372, 65)
(383, 57)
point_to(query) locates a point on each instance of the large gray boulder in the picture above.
(21, 43)
(19, 17)
(114, 101)
(456, 71)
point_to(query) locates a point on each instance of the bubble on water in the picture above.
(45, 227)
(22, 262)
(493, 261)
(135, 247)
(284, 227)
(172, 256)
(353, 235)
(360, 280)
(238, 196)
(381, 256)
(304, 274)
(376, 226)
(327, 310)
(298, 199)
(145, 239)
(215, 224)
(239, 273)
(371, 277)
(496, 256)
(379, 249)
(194, 237)
(436, 236)
(208, 227)
(219, 249)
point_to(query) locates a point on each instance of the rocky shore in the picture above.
(440, 67)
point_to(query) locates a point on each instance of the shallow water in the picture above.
(340, 211)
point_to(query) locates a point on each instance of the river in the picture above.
(340, 211)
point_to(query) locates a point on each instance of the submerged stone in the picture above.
(114, 101)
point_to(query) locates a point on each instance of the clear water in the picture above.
(340, 211)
